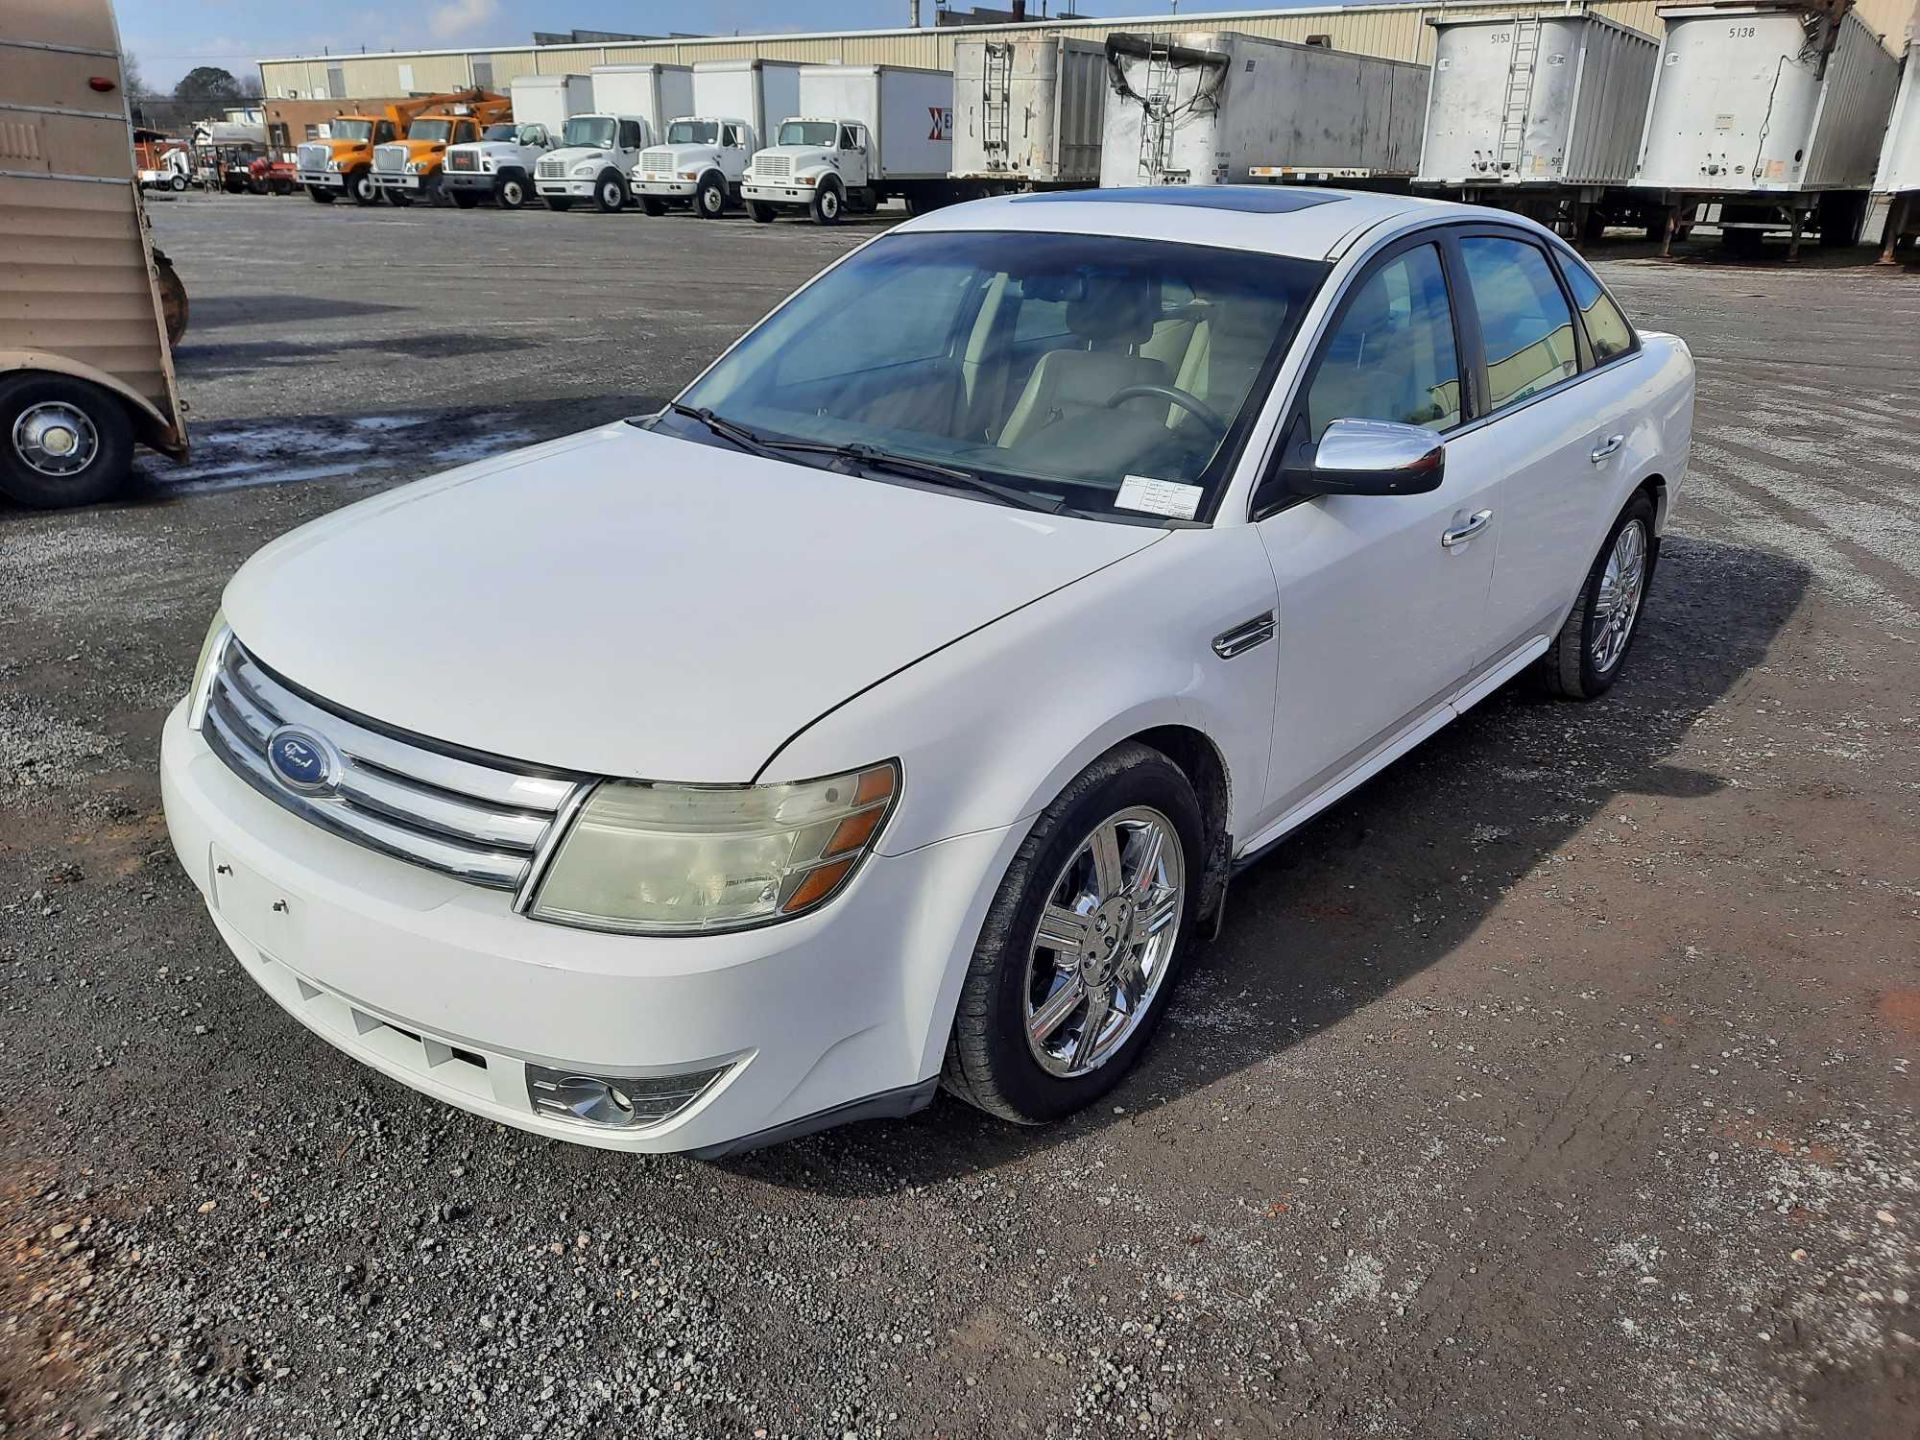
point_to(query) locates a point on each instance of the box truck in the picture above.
(863, 134)
(1029, 111)
(703, 155)
(1768, 115)
(85, 365)
(1897, 182)
(631, 105)
(1207, 107)
(500, 165)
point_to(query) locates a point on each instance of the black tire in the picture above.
(361, 187)
(710, 200)
(321, 195)
(510, 192)
(989, 1063)
(828, 204)
(652, 205)
(763, 214)
(178, 183)
(1569, 668)
(103, 475)
(398, 198)
(464, 199)
(610, 192)
(559, 202)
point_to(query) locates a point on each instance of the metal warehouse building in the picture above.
(1395, 31)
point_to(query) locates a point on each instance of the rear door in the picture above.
(1558, 414)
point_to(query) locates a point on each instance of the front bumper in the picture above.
(469, 180)
(777, 194)
(439, 985)
(665, 189)
(397, 182)
(577, 188)
(326, 179)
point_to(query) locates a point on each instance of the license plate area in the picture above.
(260, 910)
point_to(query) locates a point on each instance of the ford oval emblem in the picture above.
(302, 760)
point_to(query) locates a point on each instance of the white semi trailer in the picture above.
(703, 155)
(1208, 107)
(1028, 111)
(631, 104)
(1897, 182)
(1766, 117)
(863, 134)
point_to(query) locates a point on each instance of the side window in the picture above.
(849, 138)
(629, 134)
(1524, 319)
(464, 133)
(730, 138)
(1392, 356)
(1607, 328)
(383, 133)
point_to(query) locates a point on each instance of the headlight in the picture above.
(688, 859)
(413, 167)
(590, 168)
(333, 165)
(212, 650)
(689, 174)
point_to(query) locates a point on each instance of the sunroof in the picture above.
(1248, 199)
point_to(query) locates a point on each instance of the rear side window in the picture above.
(1524, 319)
(1392, 356)
(1607, 328)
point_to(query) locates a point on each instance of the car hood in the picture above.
(631, 604)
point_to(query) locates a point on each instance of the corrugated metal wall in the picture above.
(1397, 31)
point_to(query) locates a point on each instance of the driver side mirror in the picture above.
(1362, 457)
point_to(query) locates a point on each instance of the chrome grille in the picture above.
(773, 167)
(315, 157)
(458, 159)
(656, 162)
(480, 822)
(552, 170)
(390, 159)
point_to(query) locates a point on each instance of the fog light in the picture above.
(616, 1102)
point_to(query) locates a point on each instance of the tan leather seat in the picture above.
(1116, 315)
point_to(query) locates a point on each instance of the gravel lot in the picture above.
(1558, 1084)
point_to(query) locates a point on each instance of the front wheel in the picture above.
(1586, 656)
(361, 187)
(828, 205)
(710, 201)
(1083, 942)
(62, 442)
(762, 214)
(510, 193)
(177, 184)
(610, 193)
(321, 195)
(400, 198)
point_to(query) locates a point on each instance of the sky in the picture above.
(171, 37)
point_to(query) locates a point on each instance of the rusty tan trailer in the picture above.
(86, 370)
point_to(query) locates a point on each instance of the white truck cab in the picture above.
(595, 154)
(820, 165)
(497, 167)
(700, 165)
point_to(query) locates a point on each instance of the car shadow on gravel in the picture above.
(1388, 882)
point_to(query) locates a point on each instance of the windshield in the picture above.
(693, 132)
(432, 131)
(353, 130)
(1062, 365)
(500, 132)
(591, 131)
(809, 132)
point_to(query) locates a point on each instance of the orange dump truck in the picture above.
(410, 169)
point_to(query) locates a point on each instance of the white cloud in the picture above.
(456, 18)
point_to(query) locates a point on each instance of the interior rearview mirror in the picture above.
(1367, 457)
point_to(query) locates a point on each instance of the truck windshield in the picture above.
(1113, 376)
(500, 132)
(361, 130)
(591, 131)
(809, 132)
(693, 132)
(432, 131)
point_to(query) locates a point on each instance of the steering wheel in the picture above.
(1192, 404)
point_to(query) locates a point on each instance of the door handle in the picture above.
(1460, 534)
(1607, 447)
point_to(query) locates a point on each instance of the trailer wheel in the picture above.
(62, 442)
(762, 213)
(610, 193)
(828, 203)
(321, 195)
(510, 193)
(652, 205)
(710, 201)
(360, 185)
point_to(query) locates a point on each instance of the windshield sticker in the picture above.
(1159, 497)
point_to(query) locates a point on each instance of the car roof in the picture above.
(1307, 222)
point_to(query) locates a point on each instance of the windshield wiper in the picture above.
(870, 456)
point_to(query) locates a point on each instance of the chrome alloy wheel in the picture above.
(55, 438)
(1618, 604)
(1104, 942)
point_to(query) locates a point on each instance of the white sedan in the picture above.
(893, 708)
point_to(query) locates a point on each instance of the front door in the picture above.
(1381, 598)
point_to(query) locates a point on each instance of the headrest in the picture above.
(1116, 309)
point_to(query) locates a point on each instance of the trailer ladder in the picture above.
(1522, 64)
(1156, 105)
(999, 96)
